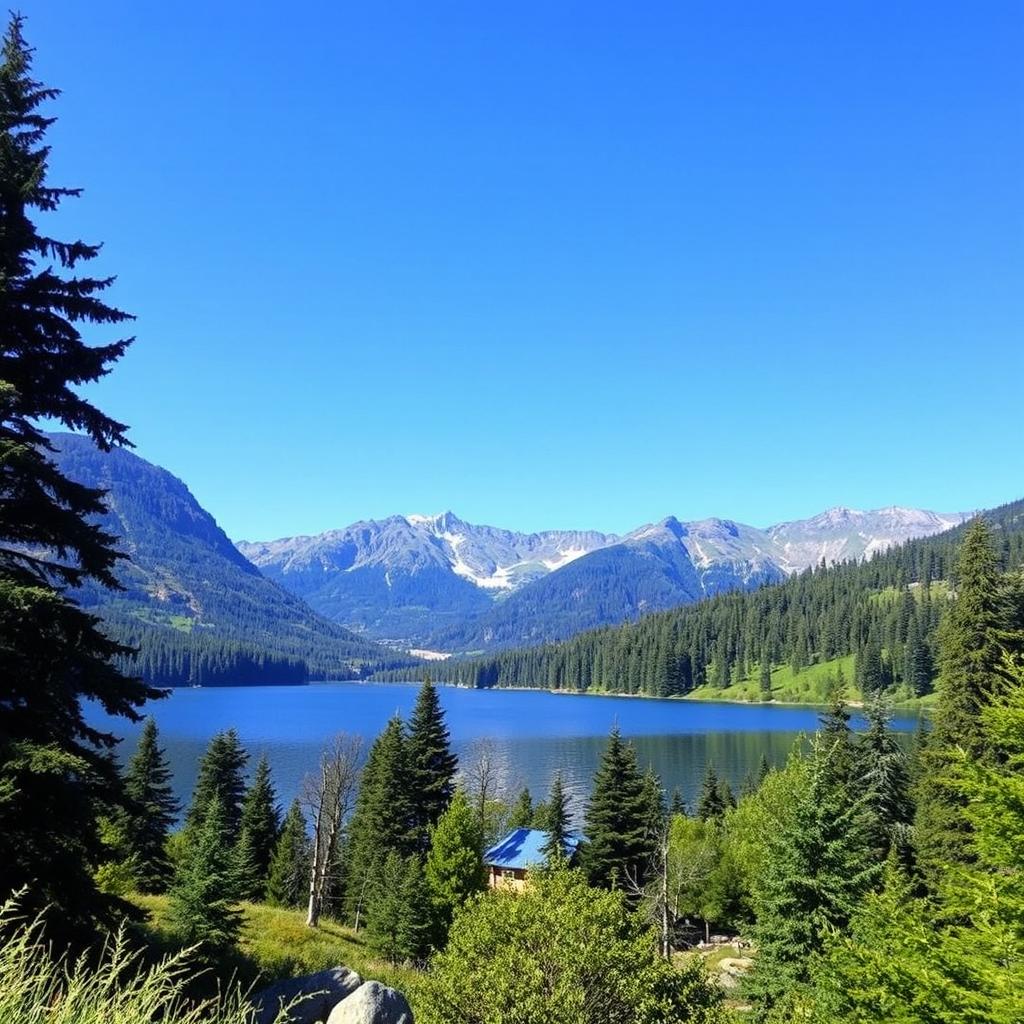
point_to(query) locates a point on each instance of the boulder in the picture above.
(309, 999)
(372, 1003)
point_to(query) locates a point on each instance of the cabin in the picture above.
(508, 861)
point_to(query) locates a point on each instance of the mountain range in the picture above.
(440, 584)
(350, 601)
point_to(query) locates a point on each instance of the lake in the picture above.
(532, 733)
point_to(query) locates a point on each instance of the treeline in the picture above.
(885, 611)
(203, 656)
(170, 658)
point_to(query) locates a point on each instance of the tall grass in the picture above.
(117, 987)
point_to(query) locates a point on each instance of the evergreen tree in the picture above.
(618, 849)
(431, 764)
(710, 803)
(288, 883)
(556, 824)
(55, 769)
(521, 815)
(815, 867)
(455, 868)
(398, 910)
(677, 805)
(382, 822)
(259, 827)
(657, 815)
(220, 778)
(200, 897)
(836, 735)
(970, 673)
(883, 776)
(151, 811)
(765, 679)
(917, 662)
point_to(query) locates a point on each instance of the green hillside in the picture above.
(197, 610)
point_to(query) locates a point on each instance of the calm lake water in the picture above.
(532, 733)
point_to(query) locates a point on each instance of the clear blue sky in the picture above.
(555, 264)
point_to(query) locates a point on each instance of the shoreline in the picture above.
(680, 698)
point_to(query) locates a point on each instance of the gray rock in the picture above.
(372, 1003)
(316, 994)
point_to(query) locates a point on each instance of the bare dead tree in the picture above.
(482, 779)
(329, 796)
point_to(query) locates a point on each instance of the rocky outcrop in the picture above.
(309, 999)
(372, 1003)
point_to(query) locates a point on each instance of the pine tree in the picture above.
(431, 764)
(521, 815)
(836, 735)
(259, 827)
(55, 769)
(710, 803)
(816, 866)
(677, 804)
(765, 679)
(455, 868)
(397, 910)
(970, 674)
(220, 778)
(382, 822)
(883, 777)
(151, 811)
(556, 824)
(288, 882)
(201, 896)
(618, 849)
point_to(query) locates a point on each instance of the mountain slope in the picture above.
(198, 609)
(441, 583)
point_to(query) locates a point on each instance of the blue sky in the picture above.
(555, 264)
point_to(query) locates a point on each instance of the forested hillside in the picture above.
(884, 611)
(198, 612)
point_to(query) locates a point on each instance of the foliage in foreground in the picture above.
(560, 952)
(34, 986)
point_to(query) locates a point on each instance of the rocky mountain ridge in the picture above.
(441, 581)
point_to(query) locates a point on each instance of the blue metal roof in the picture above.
(522, 848)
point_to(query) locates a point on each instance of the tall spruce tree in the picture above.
(556, 825)
(259, 828)
(382, 822)
(221, 777)
(883, 777)
(618, 851)
(202, 895)
(971, 652)
(150, 812)
(55, 771)
(431, 764)
(288, 881)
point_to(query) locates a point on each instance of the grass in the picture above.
(275, 943)
(121, 988)
(808, 686)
